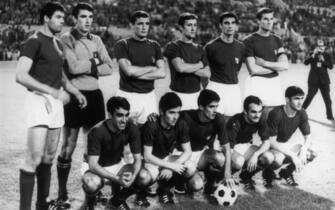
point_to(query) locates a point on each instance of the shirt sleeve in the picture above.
(134, 139)
(204, 58)
(263, 131)
(120, 50)
(148, 134)
(93, 142)
(172, 51)
(183, 132)
(273, 123)
(249, 51)
(304, 124)
(159, 55)
(221, 129)
(31, 48)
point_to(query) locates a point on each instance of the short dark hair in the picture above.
(186, 16)
(138, 14)
(251, 100)
(207, 96)
(293, 91)
(81, 6)
(168, 101)
(49, 9)
(262, 11)
(117, 102)
(228, 15)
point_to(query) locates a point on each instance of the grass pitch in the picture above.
(317, 180)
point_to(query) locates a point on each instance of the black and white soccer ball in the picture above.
(225, 196)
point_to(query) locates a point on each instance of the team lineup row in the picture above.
(175, 148)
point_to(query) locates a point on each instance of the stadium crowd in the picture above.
(310, 21)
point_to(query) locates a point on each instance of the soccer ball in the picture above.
(225, 196)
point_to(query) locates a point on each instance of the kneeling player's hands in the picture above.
(252, 163)
(166, 174)
(178, 167)
(229, 181)
(126, 179)
(82, 100)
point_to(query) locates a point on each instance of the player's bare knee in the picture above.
(219, 160)
(278, 161)
(144, 178)
(32, 161)
(266, 159)
(191, 168)
(195, 183)
(238, 162)
(91, 182)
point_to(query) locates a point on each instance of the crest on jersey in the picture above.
(153, 59)
(237, 60)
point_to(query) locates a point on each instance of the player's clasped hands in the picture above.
(178, 167)
(126, 179)
(252, 163)
(166, 174)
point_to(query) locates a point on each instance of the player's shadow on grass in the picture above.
(275, 199)
(330, 125)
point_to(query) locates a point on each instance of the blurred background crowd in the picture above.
(298, 22)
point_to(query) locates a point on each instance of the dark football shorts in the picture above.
(93, 113)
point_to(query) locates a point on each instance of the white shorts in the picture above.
(113, 169)
(189, 100)
(230, 97)
(195, 157)
(141, 104)
(154, 169)
(242, 148)
(43, 109)
(267, 89)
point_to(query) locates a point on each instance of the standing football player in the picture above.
(318, 77)
(225, 55)
(265, 58)
(141, 63)
(283, 121)
(87, 59)
(246, 155)
(187, 62)
(40, 70)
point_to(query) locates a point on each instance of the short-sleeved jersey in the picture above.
(190, 53)
(164, 141)
(204, 133)
(48, 63)
(139, 53)
(225, 60)
(240, 131)
(283, 127)
(267, 48)
(109, 145)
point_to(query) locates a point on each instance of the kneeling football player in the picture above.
(245, 156)
(161, 138)
(283, 121)
(205, 127)
(106, 165)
